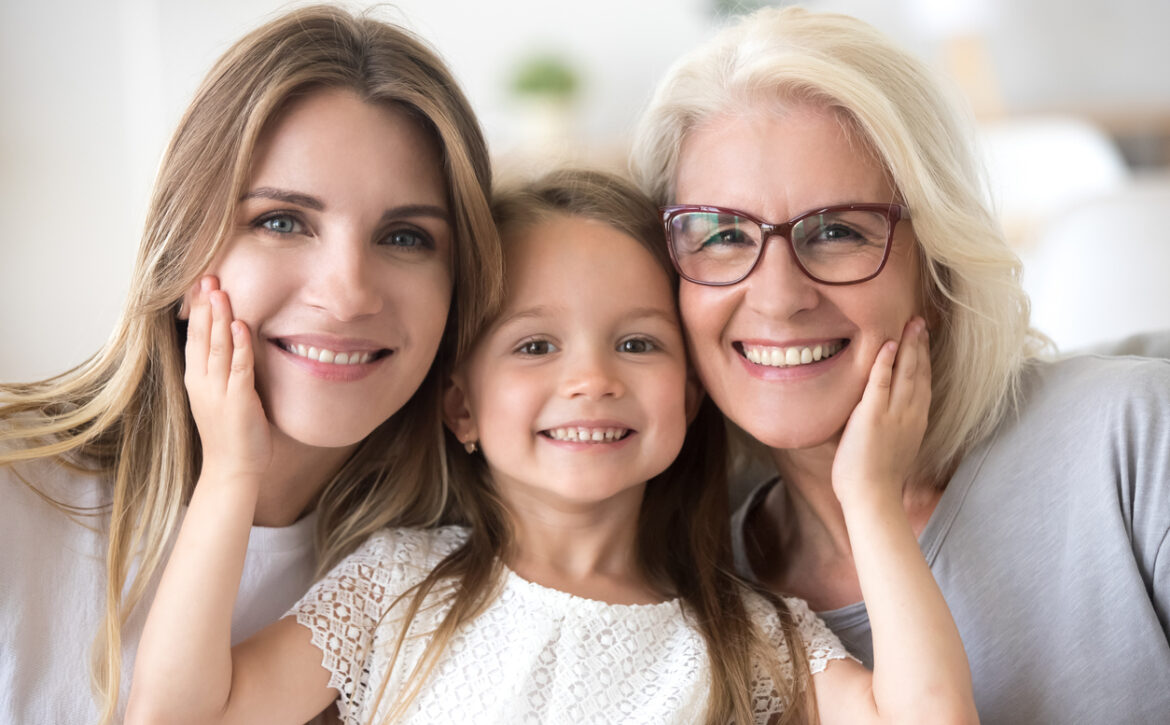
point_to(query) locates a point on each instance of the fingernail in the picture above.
(205, 284)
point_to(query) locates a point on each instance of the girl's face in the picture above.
(340, 265)
(578, 391)
(776, 167)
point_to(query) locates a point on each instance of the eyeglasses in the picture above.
(843, 244)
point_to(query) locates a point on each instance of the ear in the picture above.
(694, 394)
(457, 413)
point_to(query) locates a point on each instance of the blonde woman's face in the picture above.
(340, 265)
(748, 340)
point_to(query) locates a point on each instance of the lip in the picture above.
(794, 372)
(336, 343)
(598, 446)
(329, 371)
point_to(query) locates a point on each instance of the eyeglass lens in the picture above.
(838, 246)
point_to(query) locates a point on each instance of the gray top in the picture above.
(1051, 545)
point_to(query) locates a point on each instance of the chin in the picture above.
(324, 428)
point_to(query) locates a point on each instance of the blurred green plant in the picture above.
(730, 8)
(545, 75)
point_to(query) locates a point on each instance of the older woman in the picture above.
(820, 193)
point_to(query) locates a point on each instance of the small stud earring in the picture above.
(470, 447)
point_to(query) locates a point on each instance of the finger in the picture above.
(198, 330)
(242, 361)
(924, 369)
(907, 363)
(219, 351)
(877, 388)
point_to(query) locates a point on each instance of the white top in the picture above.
(53, 588)
(535, 655)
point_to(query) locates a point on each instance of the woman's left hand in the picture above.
(880, 442)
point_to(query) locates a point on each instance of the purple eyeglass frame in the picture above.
(894, 214)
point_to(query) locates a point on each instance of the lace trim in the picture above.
(546, 637)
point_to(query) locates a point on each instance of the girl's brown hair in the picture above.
(124, 412)
(684, 542)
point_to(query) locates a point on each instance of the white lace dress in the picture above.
(536, 655)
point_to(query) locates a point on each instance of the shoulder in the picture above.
(407, 549)
(1085, 389)
(820, 645)
(387, 564)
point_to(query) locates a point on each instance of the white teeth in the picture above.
(588, 435)
(781, 357)
(329, 356)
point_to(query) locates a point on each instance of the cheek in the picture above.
(425, 300)
(255, 284)
(704, 312)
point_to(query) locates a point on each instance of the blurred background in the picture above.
(1072, 99)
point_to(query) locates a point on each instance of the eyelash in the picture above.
(521, 348)
(298, 224)
(651, 345)
(424, 240)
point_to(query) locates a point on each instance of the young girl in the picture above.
(589, 577)
(332, 177)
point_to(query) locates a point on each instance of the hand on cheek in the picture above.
(881, 438)
(233, 429)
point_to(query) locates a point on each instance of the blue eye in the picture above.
(636, 345)
(407, 238)
(280, 224)
(536, 347)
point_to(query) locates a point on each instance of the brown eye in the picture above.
(636, 345)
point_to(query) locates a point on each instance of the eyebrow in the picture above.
(312, 202)
(289, 197)
(637, 313)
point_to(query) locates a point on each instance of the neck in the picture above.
(586, 549)
(799, 541)
(297, 475)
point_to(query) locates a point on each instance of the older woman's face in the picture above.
(776, 166)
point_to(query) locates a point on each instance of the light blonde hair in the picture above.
(684, 539)
(976, 309)
(124, 412)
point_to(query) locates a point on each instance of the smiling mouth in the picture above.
(787, 357)
(579, 434)
(332, 357)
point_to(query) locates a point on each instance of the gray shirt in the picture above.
(1051, 545)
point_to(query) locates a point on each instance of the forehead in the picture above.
(332, 136)
(779, 162)
(573, 261)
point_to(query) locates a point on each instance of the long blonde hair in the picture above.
(683, 541)
(124, 412)
(980, 338)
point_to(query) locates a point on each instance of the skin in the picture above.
(590, 359)
(342, 242)
(610, 352)
(776, 166)
(842, 520)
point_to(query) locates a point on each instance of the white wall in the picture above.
(90, 91)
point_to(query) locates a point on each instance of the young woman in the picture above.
(837, 196)
(331, 176)
(590, 580)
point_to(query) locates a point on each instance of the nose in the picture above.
(592, 375)
(344, 280)
(777, 286)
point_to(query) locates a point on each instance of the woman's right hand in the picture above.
(233, 428)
